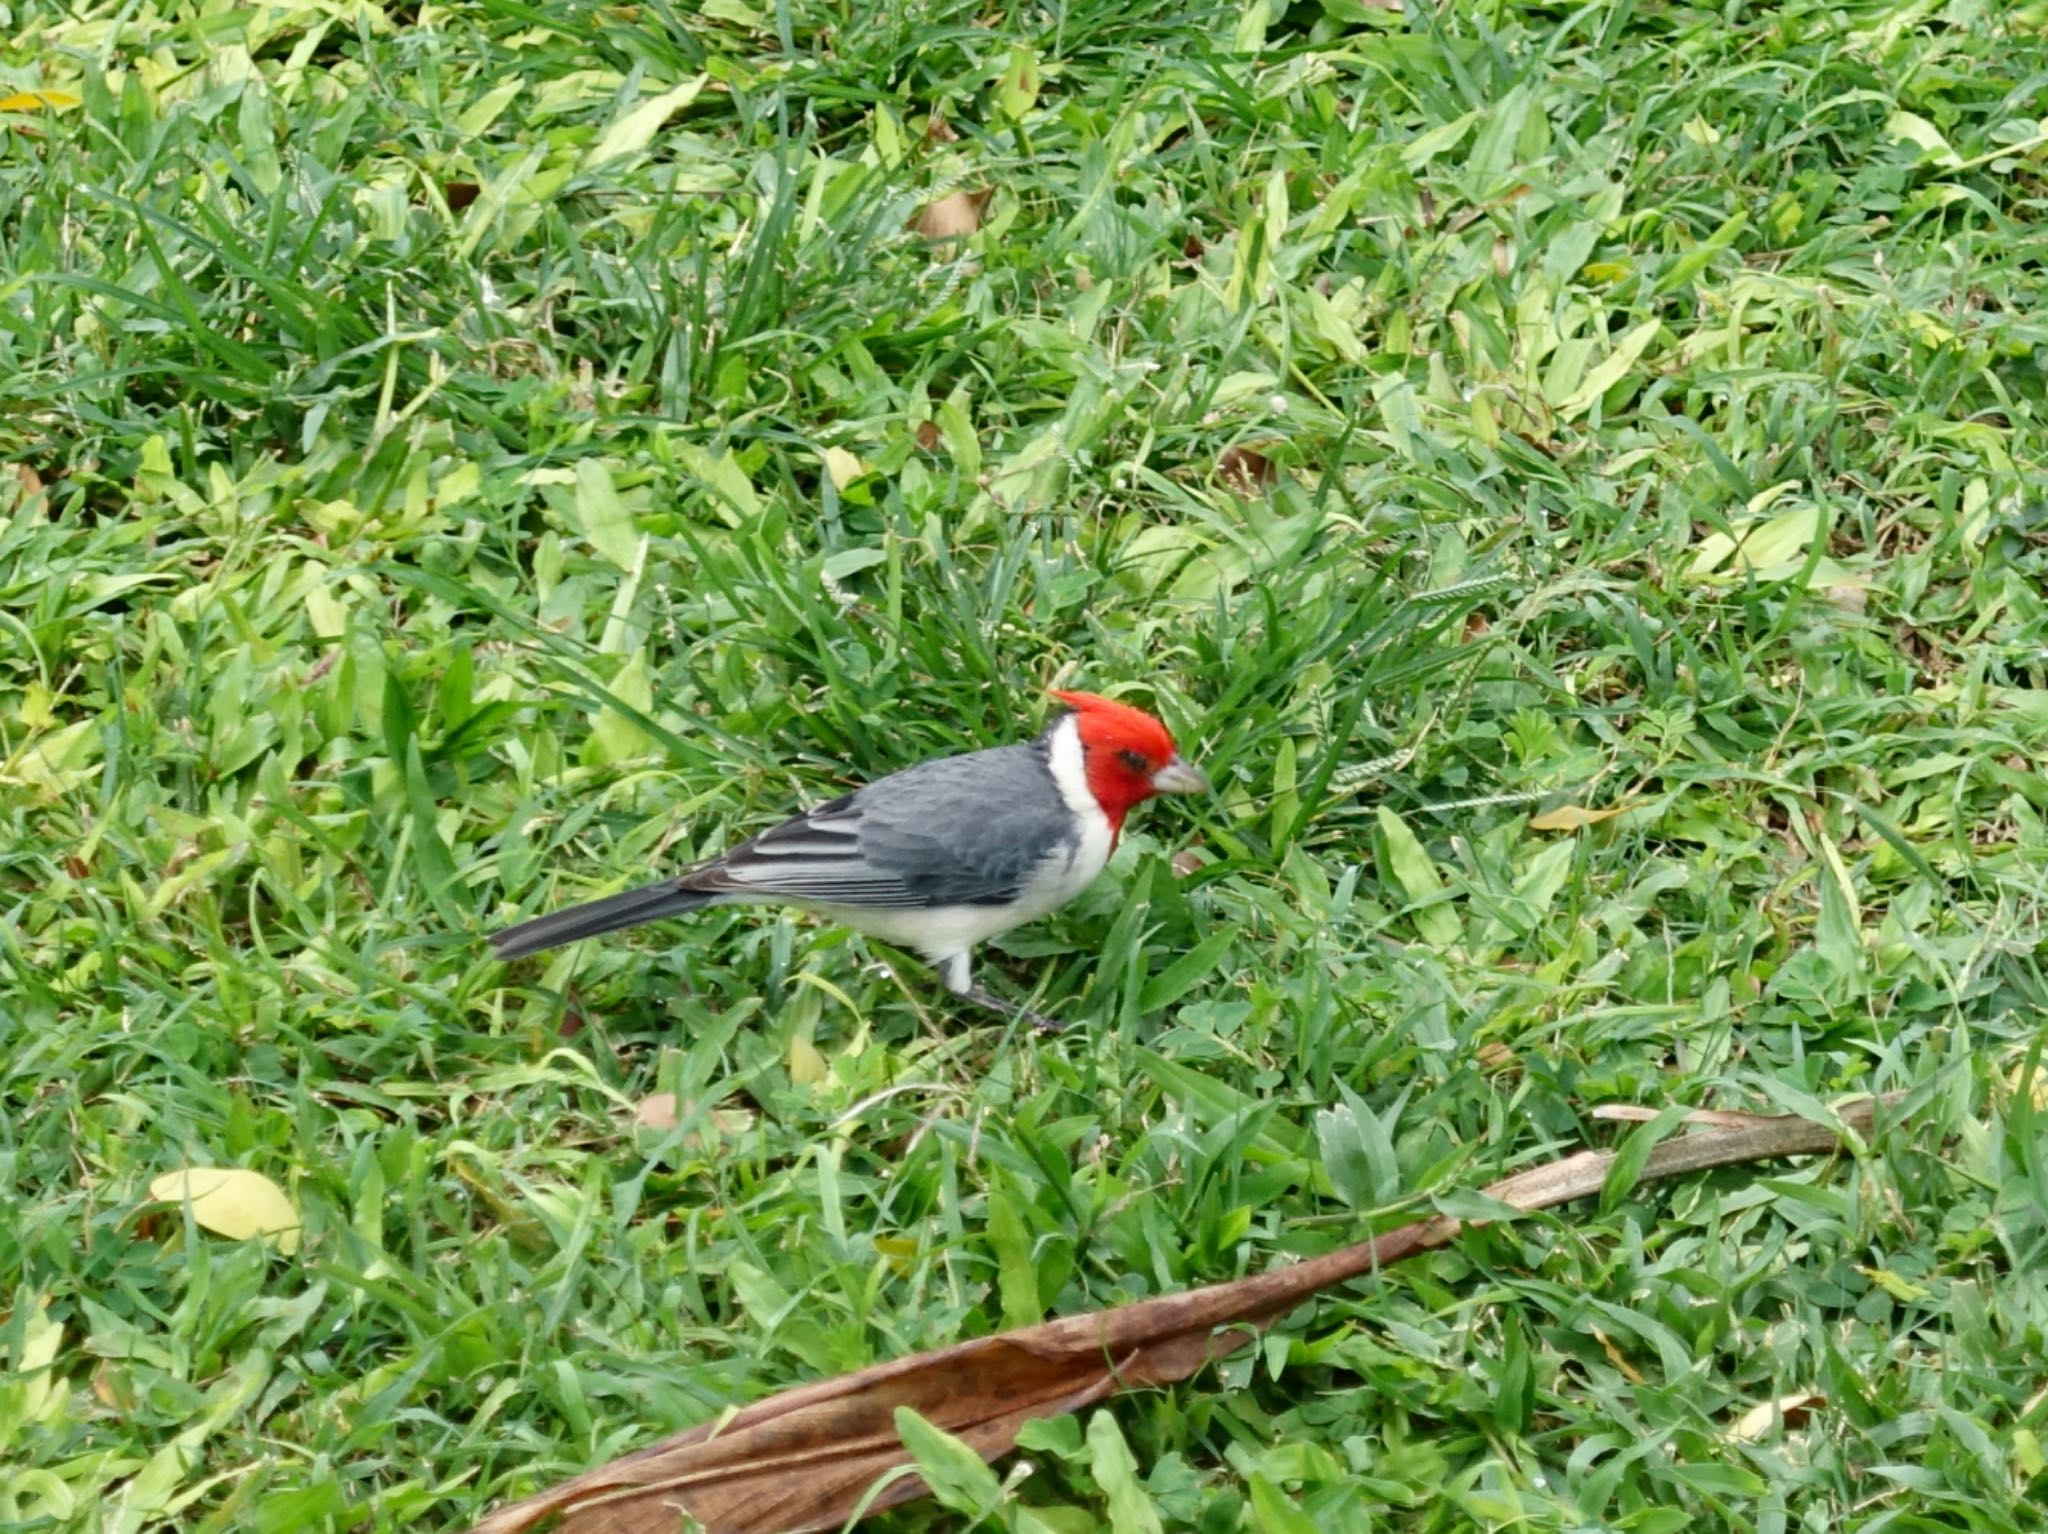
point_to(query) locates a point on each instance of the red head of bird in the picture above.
(1130, 756)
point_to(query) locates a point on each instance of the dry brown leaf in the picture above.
(1496, 1056)
(1616, 1357)
(802, 1460)
(1717, 1118)
(107, 1390)
(1756, 1422)
(657, 1110)
(952, 217)
(1245, 470)
(929, 436)
(1849, 596)
(1572, 817)
(661, 1112)
(31, 482)
(1187, 861)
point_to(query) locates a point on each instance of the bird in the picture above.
(936, 858)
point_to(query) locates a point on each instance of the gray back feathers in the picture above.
(961, 830)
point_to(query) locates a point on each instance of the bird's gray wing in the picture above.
(963, 830)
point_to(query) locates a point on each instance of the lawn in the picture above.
(1572, 475)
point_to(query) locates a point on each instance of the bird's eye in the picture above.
(1135, 760)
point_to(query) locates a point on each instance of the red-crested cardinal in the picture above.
(937, 857)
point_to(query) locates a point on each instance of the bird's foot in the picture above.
(981, 996)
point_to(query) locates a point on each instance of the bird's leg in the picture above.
(983, 996)
(956, 974)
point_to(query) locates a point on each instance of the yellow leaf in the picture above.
(635, 129)
(900, 1252)
(806, 1066)
(1768, 546)
(1922, 134)
(1017, 89)
(233, 1202)
(1617, 366)
(1756, 1422)
(37, 101)
(38, 1388)
(1572, 817)
(844, 467)
(1899, 1288)
(1618, 1358)
(57, 761)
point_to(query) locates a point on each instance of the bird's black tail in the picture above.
(649, 903)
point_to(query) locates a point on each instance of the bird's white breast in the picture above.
(1062, 877)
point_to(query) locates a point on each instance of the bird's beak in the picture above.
(1177, 777)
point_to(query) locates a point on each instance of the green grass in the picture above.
(390, 565)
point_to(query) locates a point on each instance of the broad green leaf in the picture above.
(733, 497)
(849, 562)
(1187, 971)
(1357, 1152)
(1274, 1512)
(1690, 263)
(1249, 37)
(38, 1391)
(1285, 802)
(1016, 1274)
(960, 1479)
(1634, 1151)
(1537, 886)
(1399, 412)
(603, 519)
(1416, 877)
(1212, 1101)
(1427, 145)
(1838, 931)
(431, 859)
(1343, 1153)
(1116, 1472)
